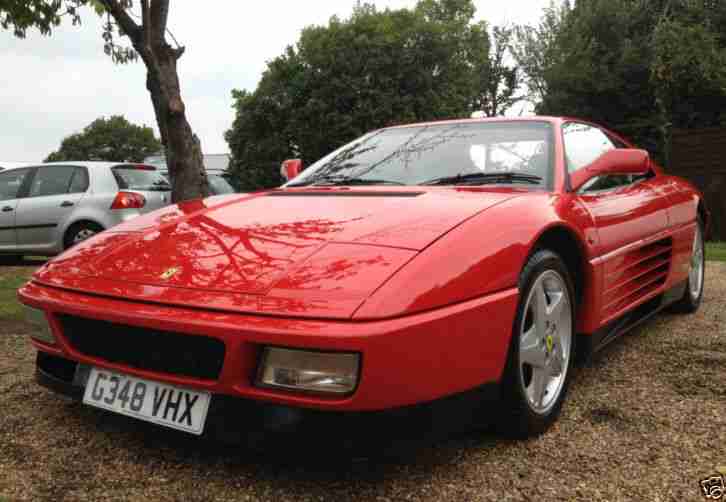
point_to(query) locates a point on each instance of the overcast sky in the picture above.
(54, 86)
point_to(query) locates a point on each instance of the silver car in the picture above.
(47, 208)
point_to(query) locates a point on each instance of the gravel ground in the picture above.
(644, 421)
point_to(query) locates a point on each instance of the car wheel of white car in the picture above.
(79, 232)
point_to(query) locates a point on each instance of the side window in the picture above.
(602, 183)
(10, 183)
(53, 180)
(79, 181)
(584, 144)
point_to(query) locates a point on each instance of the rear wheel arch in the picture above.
(702, 213)
(71, 228)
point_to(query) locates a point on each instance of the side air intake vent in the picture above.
(636, 276)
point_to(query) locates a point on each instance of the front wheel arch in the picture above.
(564, 242)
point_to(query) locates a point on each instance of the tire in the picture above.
(542, 350)
(692, 296)
(11, 259)
(79, 232)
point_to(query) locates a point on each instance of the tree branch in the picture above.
(146, 21)
(129, 27)
(159, 17)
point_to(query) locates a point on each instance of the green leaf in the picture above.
(111, 139)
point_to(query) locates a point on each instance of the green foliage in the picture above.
(45, 15)
(498, 81)
(639, 67)
(536, 48)
(11, 278)
(375, 69)
(716, 251)
(113, 139)
(19, 15)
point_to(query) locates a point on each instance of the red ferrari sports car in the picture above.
(448, 262)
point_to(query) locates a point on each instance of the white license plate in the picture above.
(160, 403)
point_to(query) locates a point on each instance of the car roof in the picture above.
(213, 172)
(530, 118)
(88, 164)
(11, 165)
(213, 162)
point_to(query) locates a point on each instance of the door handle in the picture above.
(66, 203)
(7, 209)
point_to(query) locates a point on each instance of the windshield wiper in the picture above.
(339, 180)
(485, 178)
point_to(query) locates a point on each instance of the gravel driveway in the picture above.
(644, 421)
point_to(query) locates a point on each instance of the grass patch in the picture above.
(716, 251)
(11, 278)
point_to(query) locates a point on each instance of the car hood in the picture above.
(306, 252)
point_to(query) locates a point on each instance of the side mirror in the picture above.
(619, 161)
(291, 168)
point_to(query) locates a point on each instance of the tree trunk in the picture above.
(183, 149)
(182, 146)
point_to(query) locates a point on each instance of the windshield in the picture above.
(140, 178)
(512, 152)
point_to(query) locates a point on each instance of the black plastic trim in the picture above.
(295, 429)
(29, 227)
(618, 327)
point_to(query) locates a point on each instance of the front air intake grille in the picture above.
(179, 354)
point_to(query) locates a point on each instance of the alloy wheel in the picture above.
(83, 234)
(695, 274)
(545, 341)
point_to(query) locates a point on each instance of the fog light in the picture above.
(38, 320)
(324, 372)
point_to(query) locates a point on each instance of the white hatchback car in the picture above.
(47, 208)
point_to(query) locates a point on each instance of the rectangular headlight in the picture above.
(323, 372)
(37, 319)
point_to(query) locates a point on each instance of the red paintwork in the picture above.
(424, 286)
(621, 161)
(291, 168)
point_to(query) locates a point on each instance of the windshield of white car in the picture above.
(512, 153)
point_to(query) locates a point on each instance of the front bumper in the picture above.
(405, 361)
(245, 421)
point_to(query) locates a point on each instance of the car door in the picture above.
(629, 214)
(11, 187)
(625, 209)
(48, 203)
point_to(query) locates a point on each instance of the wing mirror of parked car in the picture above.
(621, 161)
(291, 168)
